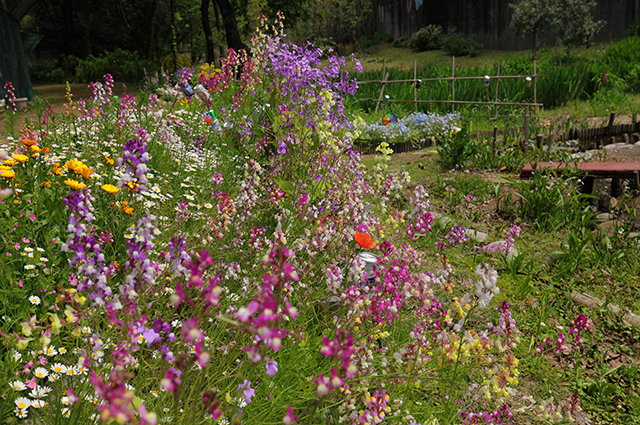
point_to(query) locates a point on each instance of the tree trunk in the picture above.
(218, 27)
(230, 25)
(206, 26)
(150, 38)
(174, 46)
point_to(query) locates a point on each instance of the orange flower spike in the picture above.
(364, 240)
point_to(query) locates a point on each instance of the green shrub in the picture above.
(47, 71)
(401, 42)
(456, 45)
(634, 30)
(362, 43)
(123, 65)
(456, 150)
(382, 37)
(427, 38)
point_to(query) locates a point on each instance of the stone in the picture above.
(495, 246)
(634, 234)
(608, 227)
(605, 216)
(476, 235)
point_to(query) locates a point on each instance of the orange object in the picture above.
(364, 240)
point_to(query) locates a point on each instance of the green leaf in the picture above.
(284, 185)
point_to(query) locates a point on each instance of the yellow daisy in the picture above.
(19, 157)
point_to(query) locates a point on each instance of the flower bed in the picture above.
(160, 268)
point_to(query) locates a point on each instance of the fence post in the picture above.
(495, 102)
(453, 90)
(495, 138)
(415, 86)
(526, 129)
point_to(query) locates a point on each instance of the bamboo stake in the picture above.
(453, 76)
(553, 138)
(381, 91)
(415, 87)
(501, 77)
(526, 129)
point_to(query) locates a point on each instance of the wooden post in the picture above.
(535, 86)
(453, 90)
(384, 82)
(495, 138)
(553, 138)
(415, 85)
(539, 138)
(612, 118)
(526, 129)
(495, 103)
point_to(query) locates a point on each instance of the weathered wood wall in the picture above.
(489, 20)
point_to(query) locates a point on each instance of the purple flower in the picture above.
(272, 366)
(151, 336)
(247, 391)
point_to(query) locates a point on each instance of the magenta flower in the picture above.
(290, 417)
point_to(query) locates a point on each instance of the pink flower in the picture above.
(290, 417)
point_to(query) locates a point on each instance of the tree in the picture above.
(530, 17)
(573, 22)
(571, 19)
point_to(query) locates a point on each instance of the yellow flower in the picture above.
(74, 184)
(19, 157)
(109, 160)
(109, 188)
(10, 162)
(28, 142)
(9, 174)
(34, 149)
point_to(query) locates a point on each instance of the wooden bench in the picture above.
(616, 171)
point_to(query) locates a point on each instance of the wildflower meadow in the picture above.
(224, 256)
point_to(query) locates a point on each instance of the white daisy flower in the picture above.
(18, 385)
(37, 404)
(21, 413)
(41, 372)
(58, 368)
(23, 403)
(39, 392)
(33, 299)
(50, 351)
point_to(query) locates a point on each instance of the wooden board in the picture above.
(598, 170)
